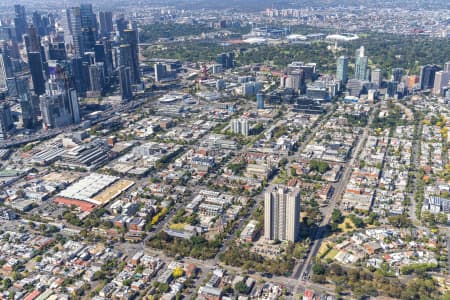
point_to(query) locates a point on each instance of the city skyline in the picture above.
(219, 150)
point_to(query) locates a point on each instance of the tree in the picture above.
(178, 272)
(318, 268)
(336, 216)
(358, 222)
(319, 166)
(241, 287)
(400, 221)
(7, 283)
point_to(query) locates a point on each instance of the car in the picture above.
(267, 275)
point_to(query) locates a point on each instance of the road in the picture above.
(46, 134)
(259, 198)
(414, 168)
(208, 265)
(305, 268)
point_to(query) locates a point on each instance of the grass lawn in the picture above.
(332, 254)
(346, 228)
(324, 249)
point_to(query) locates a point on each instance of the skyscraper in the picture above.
(106, 23)
(37, 72)
(125, 83)
(130, 37)
(441, 79)
(88, 18)
(447, 67)
(397, 74)
(392, 88)
(39, 23)
(72, 30)
(5, 71)
(96, 77)
(362, 70)
(20, 21)
(376, 77)
(99, 52)
(160, 72)
(427, 74)
(103, 53)
(18, 85)
(57, 51)
(121, 25)
(32, 41)
(226, 60)
(89, 27)
(29, 114)
(295, 80)
(6, 121)
(282, 213)
(59, 107)
(342, 69)
(260, 101)
(240, 126)
(125, 56)
(79, 75)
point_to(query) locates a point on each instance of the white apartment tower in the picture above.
(282, 213)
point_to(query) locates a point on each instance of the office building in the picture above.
(121, 25)
(40, 23)
(130, 38)
(376, 77)
(282, 213)
(59, 107)
(342, 69)
(79, 75)
(125, 56)
(250, 89)
(105, 23)
(260, 101)
(355, 87)
(31, 40)
(427, 75)
(29, 112)
(397, 74)
(308, 70)
(72, 30)
(96, 78)
(307, 105)
(447, 67)
(163, 74)
(18, 86)
(125, 83)
(89, 28)
(99, 52)
(392, 89)
(441, 79)
(37, 72)
(295, 80)
(56, 51)
(6, 33)
(88, 18)
(240, 126)
(362, 70)
(6, 121)
(318, 93)
(220, 84)
(226, 60)
(20, 21)
(103, 54)
(5, 71)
